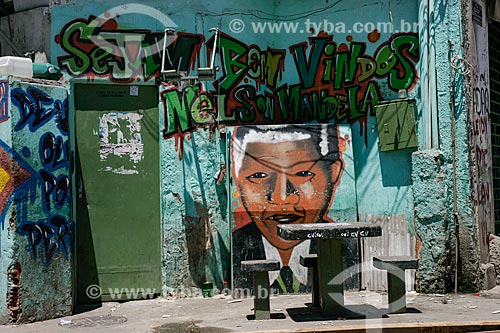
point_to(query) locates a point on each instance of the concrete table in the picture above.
(260, 269)
(396, 286)
(329, 239)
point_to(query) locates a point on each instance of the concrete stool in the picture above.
(396, 288)
(311, 261)
(261, 290)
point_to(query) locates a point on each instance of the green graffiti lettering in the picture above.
(272, 67)
(352, 93)
(330, 49)
(289, 102)
(306, 108)
(340, 86)
(260, 102)
(371, 98)
(264, 66)
(329, 63)
(342, 111)
(307, 68)
(329, 104)
(367, 69)
(270, 106)
(318, 111)
(385, 60)
(404, 45)
(100, 58)
(234, 70)
(222, 115)
(254, 63)
(178, 110)
(327, 74)
(180, 53)
(122, 54)
(346, 65)
(78, 62)
(128, 46)
(265, 105)
(202, 110)
(151, 59)
(245, 95)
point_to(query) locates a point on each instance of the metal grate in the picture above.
(494, 58)
(395, 241)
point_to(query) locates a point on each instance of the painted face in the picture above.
(285, 183)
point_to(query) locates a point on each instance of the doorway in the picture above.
(117, 192)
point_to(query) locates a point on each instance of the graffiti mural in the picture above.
(335, 83)
(102, 49)
(285, 174)
(15, 174)
(262, 80)
(34, 177)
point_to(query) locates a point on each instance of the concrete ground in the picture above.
(220, 314)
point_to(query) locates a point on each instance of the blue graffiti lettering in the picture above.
(53, 151)
(36, 108)
(55, 188)
(46, 238)
(4, 104)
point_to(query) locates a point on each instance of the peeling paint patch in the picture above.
(120, 135)
(14, 293)
(120, 171)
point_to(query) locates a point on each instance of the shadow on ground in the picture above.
(276, 315)
(188, 327)
(364, 311)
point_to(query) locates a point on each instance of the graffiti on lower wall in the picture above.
(35, 178)
(284, 174)
(481, 132)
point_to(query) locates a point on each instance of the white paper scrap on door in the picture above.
(120, 135)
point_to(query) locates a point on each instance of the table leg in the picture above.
(262, 308)
(329, 267)
(396, 291)
(315, 286)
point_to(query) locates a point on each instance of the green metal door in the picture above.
(117, 192)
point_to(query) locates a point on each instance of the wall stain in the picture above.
(12, 220)
(14, 293)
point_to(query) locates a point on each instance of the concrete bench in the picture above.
(311, 261)
(396, 288)
(259, 269)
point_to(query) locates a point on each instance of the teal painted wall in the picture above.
(196, 242)
(6, 236)
(261, 76)
(35, 202)
(435, 227)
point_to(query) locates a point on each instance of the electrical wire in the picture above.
(268, 16)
